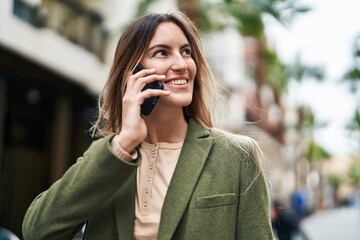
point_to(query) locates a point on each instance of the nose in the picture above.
(179, 63)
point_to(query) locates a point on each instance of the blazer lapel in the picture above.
(124, 209)
(188, 169)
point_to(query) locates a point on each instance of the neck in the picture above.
(170, 127)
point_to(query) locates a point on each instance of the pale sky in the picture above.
(323, 37)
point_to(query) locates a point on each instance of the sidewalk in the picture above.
(342, 223)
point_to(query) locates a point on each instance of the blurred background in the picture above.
(289, 71)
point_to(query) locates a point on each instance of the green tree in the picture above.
(143, 7)
(354, 125)
(316, 153)
(354, 171)
(352, 76)
(279, 74)
(335, 180)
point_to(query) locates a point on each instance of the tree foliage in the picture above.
(334, 180)
(247, 15)
(316, 152)
(354, 171)
(352, 75)
(143, 7)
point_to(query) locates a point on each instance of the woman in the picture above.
(168, 175)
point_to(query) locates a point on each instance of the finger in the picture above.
(152, 93)
(134, 77)
(144, 72)
(139, 84)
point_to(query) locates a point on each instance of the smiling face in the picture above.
(169, 52)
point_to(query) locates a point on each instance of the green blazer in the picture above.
(217, 191)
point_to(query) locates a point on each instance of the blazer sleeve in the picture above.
(253, 209)
(86, 187)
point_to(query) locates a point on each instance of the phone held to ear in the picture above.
(149, 103)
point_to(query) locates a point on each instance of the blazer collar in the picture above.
(188, 169)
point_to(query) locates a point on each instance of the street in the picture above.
(342, 223)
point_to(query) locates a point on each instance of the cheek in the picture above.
(192, 68)
(161, 68)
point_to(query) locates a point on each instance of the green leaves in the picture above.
(143, 7)
(352, 76)
(316, 152)
(354, 171)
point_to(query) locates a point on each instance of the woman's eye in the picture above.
(160, 53)
(187, 52)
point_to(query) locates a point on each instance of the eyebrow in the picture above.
(167, 46)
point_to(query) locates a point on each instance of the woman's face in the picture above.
(169, 52)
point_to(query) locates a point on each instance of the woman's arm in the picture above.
(86, 187)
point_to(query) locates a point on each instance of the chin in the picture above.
(179, 101)
(184, 102)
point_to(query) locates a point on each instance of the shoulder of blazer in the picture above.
(237, 144)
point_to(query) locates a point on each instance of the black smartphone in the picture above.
(149, 103)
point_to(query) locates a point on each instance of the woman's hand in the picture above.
(133, 129)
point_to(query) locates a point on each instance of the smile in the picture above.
(176, 82)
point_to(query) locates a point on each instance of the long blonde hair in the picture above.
(130, 49)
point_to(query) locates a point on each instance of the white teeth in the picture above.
(177, 82)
